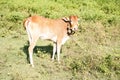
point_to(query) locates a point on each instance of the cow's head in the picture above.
(73, 22)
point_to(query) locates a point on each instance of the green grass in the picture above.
(95, 54)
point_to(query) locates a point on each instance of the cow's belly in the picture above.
(48, 37)
(53, 38)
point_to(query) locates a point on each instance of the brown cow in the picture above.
(56, 30)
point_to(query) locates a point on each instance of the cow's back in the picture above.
(56, 26)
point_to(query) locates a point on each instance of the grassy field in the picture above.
(94, 55)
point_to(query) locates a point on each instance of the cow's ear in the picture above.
(66, 19)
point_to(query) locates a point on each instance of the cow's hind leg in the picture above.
(30, 49)
(32, 41)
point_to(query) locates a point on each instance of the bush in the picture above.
(15, 17)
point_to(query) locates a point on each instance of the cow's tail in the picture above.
(27, 25)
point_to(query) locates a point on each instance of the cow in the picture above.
(56, 30)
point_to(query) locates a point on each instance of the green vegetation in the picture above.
(95, 54)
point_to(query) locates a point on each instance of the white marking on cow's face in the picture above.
(74, 23)
(75, 28)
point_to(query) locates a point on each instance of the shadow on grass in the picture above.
(44, 49)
